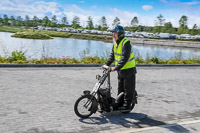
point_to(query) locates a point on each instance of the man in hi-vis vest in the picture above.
(122, 55)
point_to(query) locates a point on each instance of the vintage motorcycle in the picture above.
(100, 99)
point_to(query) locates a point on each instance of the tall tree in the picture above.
(134, 22)
(64, 21)
(194, 30)
(5, 19)
(35, 21)
(13, 21)
(199, 31)
(19, 21)
(90, 23)
(1, 21)
(27, 21)
(116, 21)
(53, 21)
(183, 20)
(160, 20)
(103, 22)
(168, 28)
(140, 28)
(76, 22)
(45, 21)
(183, 28)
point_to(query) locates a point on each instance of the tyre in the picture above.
(84, 106)
(126, 112)
(133, 104)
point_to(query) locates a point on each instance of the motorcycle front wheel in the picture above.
(83, 106)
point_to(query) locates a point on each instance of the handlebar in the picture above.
(106, 67)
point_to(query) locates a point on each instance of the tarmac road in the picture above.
(41, 100)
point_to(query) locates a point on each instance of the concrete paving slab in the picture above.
(41, 100)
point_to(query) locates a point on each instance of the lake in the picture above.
(77, 48)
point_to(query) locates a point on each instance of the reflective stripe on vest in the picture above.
(118, 54)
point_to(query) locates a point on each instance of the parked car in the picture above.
(69, 29)
(185, 36)
(73, 30)
(173, 36)
(128, 34)
(107, 33)
(86, 31)
(197, 37)
(79, 30)
(41, 28)
(59, 30)
(164, 35)
(94, 31)
(100, 32)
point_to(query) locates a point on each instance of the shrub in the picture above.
(17, 55)
(155, 60)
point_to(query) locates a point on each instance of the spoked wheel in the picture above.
(83, 106)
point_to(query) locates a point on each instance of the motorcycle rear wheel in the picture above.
(126, 112)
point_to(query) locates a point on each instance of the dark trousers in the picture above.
(126, 84)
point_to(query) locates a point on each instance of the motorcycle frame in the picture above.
(101, 80)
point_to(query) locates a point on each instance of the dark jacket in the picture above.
(126, 51)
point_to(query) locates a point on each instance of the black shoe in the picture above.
(124, 108)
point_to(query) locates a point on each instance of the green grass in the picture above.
(11, 29)
(31, 35)
(42, 34)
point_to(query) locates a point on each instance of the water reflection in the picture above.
(59, 47)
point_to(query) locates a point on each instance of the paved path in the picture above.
(40, 100)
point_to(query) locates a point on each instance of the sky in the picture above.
(146, 10)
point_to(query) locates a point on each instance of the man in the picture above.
(122, 55)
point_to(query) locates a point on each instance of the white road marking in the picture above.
(133, 130)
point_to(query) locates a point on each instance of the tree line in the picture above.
(160, 24)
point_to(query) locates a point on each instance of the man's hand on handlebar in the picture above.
(112, 69)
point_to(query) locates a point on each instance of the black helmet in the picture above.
(119, 29)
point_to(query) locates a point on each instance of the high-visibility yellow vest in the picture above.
(118, 54)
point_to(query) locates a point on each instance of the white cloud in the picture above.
(192, 3)
(146, 21)
(74, 10)
(38, 8)
(77, 9)
(174, 22)
(124, 16)
(70, 15)
(42, 8)
(81, 1)
(193, 20)
(147, 7)
(94, 7)
(164, 1)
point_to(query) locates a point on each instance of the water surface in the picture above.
(73, 48)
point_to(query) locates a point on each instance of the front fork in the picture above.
(92, 100)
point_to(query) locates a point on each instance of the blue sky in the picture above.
(145, 10)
